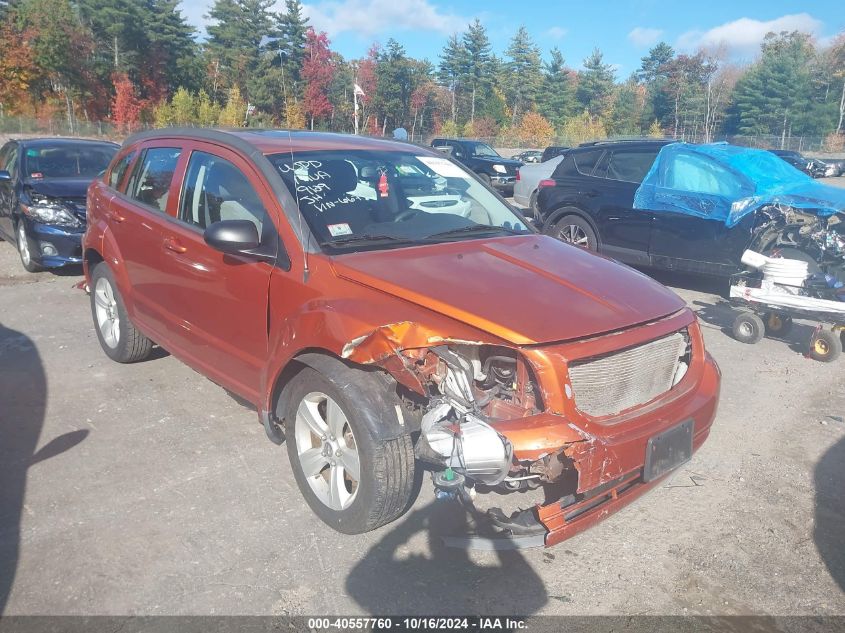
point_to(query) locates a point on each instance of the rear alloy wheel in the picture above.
(532, 206)
(118, 337)
(576, 231)
(352, 480)
(748, 328)
(24, 252)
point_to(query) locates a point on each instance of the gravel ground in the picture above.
(148, 490)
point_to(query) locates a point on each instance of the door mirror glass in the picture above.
(5, 176)
(234, 237)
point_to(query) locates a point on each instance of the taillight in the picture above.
(546, 182)
(517, 175)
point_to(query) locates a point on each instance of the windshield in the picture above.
(482, 149)
(67, 161)
(365, 198)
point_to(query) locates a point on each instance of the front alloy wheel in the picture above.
(352, 478)
(24, 252)
(328, 454)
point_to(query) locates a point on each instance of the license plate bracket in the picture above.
(668, 450)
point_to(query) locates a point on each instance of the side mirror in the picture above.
(240, 237)
(5, 176)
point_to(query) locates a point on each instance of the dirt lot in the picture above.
(148, 490)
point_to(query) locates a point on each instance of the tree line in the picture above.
(138, 62)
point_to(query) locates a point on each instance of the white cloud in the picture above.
(557, 32)
(643, 36)
(743, 36)
(369, 18)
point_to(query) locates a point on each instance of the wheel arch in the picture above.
(563, 211)
(377, 389)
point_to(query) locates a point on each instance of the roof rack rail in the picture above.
(628, 139)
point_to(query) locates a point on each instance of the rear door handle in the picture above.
(114, 216)
(172, 244)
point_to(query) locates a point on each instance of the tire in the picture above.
(748, 328)
(118, 337)
(24, 252)
(532, 205)
(385, 468)
(825, 346)
(485, 179)
(574, 230)
(777, 324)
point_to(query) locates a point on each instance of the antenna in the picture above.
(306, 244)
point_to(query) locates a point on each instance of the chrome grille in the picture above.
(609, 384)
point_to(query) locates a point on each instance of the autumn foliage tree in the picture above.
(17, 68)
(125, 105)
(535, 130)
(317, 73)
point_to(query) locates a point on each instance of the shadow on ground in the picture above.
(394, 577)
(829, 530)
(23, 398)
(699, 283)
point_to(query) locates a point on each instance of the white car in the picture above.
(528, 177)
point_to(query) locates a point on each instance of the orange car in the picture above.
(385, 312)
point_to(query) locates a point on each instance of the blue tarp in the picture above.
(725, 183)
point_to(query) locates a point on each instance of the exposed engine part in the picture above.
(450, 486)
(467, 444)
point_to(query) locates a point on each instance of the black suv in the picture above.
(483, 160)
(589, 202)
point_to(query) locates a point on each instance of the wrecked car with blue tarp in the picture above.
(693, 208)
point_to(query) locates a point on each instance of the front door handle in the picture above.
(172, 244)
(114, 216)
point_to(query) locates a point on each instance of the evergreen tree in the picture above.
(451, 69)
(627, 109)
(556, 98)
(773, 94)
(595, 85)
(653, 74)
(235, 40)
(523, 76)
(393, 84)
(479, 63)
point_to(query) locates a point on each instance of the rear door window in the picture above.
(119, 170)
(216, 190)
(629, 166)
(153, 174)
(586, 161)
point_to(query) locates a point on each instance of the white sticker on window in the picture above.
(442, 167)
(337, 230)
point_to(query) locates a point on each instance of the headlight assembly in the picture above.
(50, 212)
(500, 169)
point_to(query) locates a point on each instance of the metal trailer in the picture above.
(768, 309)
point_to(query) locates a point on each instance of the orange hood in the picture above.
(523, 289)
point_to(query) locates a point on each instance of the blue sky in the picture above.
(623, 30)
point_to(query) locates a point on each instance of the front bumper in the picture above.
(609, 458)
(503, 183)
(53, 246)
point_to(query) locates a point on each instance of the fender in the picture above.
(558, 213)
(114, 260)
(374, 389)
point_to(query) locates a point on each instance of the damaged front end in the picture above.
(486, 423)
(785, 227)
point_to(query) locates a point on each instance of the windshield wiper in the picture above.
(365, 238)
(475, 228)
